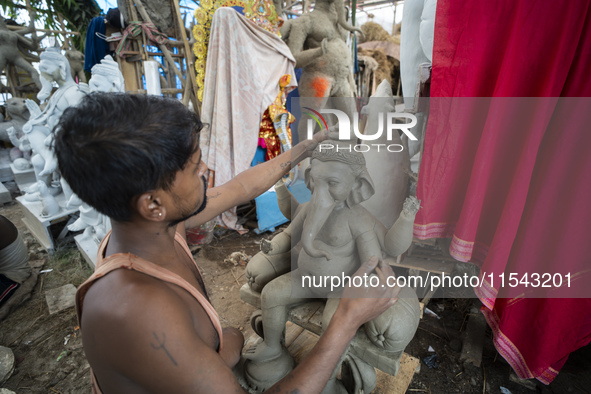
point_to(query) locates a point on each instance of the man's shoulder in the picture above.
(129, 296)
(136, 331)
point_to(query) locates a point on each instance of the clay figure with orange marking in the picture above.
(317, 42)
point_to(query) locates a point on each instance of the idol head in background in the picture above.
(107, 77)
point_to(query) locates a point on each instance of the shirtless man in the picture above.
(150, 327)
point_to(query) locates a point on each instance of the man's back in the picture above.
(147, 292)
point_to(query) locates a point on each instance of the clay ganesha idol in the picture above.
(330, 236)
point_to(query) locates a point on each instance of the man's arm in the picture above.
(150, 341)
(254, 181)
(356, 307)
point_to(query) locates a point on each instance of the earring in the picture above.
(160, 214)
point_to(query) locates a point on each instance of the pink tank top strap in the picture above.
(130, 261)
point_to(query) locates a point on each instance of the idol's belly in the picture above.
(321, 267)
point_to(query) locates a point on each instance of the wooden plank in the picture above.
(398, 384)
(422, 264)
(316, 320)
(60, 298)
(171, 91)
(302, 314)
(177, 55)
(129, 75)
(428, 241)
(292, 331)
(302, 345)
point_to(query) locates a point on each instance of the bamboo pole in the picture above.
(143, 50)
(163, 49)
(192, 82)
(140, 47)
(171, 91)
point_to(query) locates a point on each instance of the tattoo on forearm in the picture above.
(213, 196)
(285, 165)
(160, 345)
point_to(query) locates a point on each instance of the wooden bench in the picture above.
(308, 317)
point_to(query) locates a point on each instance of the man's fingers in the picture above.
(333, 135)
(383, 278)
(386, 268)
(384, 271)
(368, 266)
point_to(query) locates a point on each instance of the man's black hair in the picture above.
(114, 147)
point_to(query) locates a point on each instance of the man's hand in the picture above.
(322, 135)
(357, 306)
(362, 304)
(233, 342)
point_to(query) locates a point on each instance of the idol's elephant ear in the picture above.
(362, 190)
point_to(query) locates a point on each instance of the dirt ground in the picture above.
(50, 359)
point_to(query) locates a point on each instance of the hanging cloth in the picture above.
(507, 177)
(244, 63)
(96, 47)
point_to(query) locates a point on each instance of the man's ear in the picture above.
(149, 206)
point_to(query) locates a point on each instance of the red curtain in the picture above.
(506, 169)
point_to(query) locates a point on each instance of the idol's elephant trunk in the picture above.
(340, 7)
(46, 87)
(320, 207)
